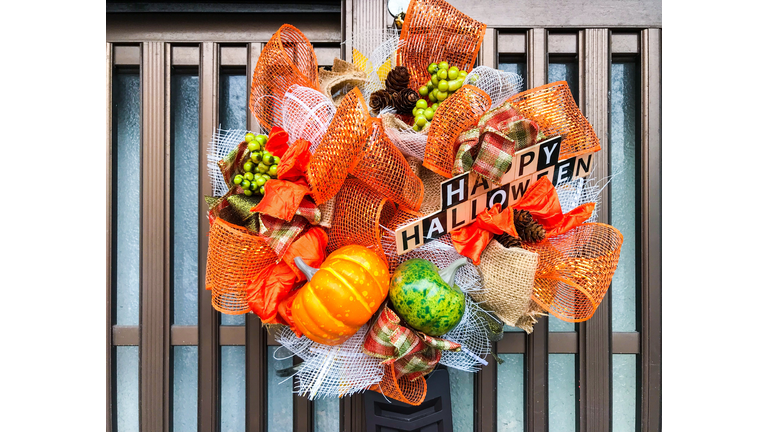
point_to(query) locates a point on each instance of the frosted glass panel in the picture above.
(510, 394)
(126, 111)
(516, 65)
(127, 368)
(233, 105)
(326, 415)
(623, 186)
(462, 399)
(233, 111)
(624, 392)
(185, 389)
(562, 392)
(508, 328)
(232, 389)
(279, 392)
(567, 71)
(185, 101)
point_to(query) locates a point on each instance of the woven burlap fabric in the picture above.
(431, 181)
(326, 210)
(342, 78)
(508, 274)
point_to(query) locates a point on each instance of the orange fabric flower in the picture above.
(281, 199)
(277, 142)
(293, 164)
(472, 239)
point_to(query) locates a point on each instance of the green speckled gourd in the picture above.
(425, 297)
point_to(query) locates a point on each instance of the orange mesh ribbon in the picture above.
(553, 109)
(235, 256)
(435, 31)
(356, 144)
(401, 389)
(575, 270)
(455, 115)
(357, 215)
(287, 59)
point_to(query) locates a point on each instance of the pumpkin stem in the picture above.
(448, 274)
(307, 270)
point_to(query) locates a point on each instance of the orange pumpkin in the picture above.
(340, 296)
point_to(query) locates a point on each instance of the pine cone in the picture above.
(508, 241)
(397, 79)
(380, 99)
(522, 218)
(404, 101)
(529, 230)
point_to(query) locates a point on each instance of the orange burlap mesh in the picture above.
(356, 144)
(457, 114)
(403, 390)
(287, 59)
(435, 31)
(575, 270)
(357, 216)
(235, 255)
(552, 107)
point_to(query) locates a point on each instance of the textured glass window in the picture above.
(462, 399)
(127, 368)
(563, 70)
(624, 392)
(562, 392)
(514, 63)
(326, 414)
(185, 102)
(279, 392)
(623, 186)
(510, 393)
(232, 389)
(126, 111)
(185, 389)
(233, 112)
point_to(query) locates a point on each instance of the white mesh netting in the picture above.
(581, 191)
(499, 85)
(475, 342)
(376, 49)
(222, 142)
(306, 114)
(332, 371)
(410, 142)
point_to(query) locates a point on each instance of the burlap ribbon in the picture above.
(489, 148)
(413, 354)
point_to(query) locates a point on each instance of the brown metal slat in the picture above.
(208, 340)
(110, 372)
(595, 334)
(650, 298)
(155, 333)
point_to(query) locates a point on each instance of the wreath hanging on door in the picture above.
(398, 210)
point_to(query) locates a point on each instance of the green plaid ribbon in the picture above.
(279, 234)
(489, 148)
(413, 353)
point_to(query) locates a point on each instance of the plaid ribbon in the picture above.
(412, 353)
(489, 148)
(279, 234)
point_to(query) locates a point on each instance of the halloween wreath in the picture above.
(395, 212)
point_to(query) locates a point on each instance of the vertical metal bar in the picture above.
(167, 233)
(596, 333)
(255, 334)
(485, 397)
(208, 338)
(650, 303)
(488, 49)
(154, 331)
(303, 418)
(536, 343)
(110, 374)
(353, 413)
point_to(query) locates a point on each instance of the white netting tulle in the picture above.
(222, 143)
(471, 334)
(581, 191)
(306, 114)
(499, 85)
(332, 371)
(410, 142)
(378, 47)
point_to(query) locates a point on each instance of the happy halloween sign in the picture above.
(465, 196)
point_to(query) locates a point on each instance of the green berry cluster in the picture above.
(445, 81)
(259, 168)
